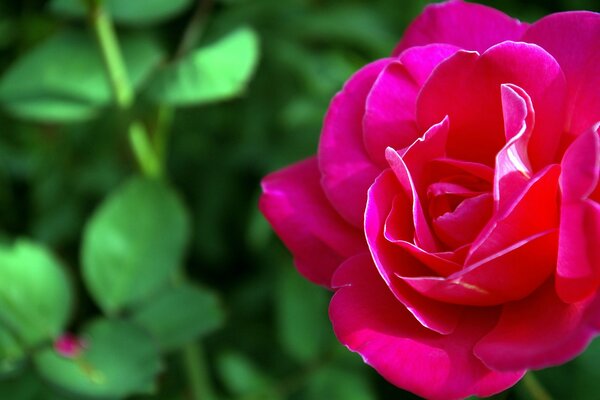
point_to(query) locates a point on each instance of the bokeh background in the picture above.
(276, 341)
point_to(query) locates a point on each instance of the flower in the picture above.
(453, 205)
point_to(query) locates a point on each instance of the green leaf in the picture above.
(63, 78)
(119, 359)
(132, 12)
(242, 378)
(180, 315)
(301, 317)
(212, 73)
(35, 299)
(325, 384)
(133, 243)
(11, 353)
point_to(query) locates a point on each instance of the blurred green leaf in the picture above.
(35, 301)
(350, 24)
(242, 378)
(63, 78)
(302, 323)
(11, 353)
(180, 315)
(119, 359)
(216, 72)
(133, 243)
(134, 12)
(333, 383)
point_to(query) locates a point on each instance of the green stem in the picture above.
(111, 54)
(535, 389)
(123, 93)
(197, 373)
(195, 27)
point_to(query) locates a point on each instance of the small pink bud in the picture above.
(68, 345)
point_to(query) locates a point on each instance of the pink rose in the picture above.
(454, 204)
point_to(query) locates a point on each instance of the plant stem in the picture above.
(535, 388)
(195, 27)
(111, 54)
(196, 372)
(150, 164)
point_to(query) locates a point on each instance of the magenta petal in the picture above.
(346, 167)
(467, 88)
(539, 331)
(572, 38)
(513, 168)
(578, 270)
(467, 25)
(581, 166)
(392, 260)
(389, 119)
(496, 280)
(533, 211)
(462, 225)
(369, 320)
(294, 203)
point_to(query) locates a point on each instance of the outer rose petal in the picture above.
(572, 38)
(466, 25)
(390, 112)
(369, 320)
(578, 272)
(539, 331)
(390, 117)
(296, 207)
(347, 170)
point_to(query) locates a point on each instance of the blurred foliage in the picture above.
(224, 92)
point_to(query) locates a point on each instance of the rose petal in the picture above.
(390, 118)
(369, 320)
(581, 166)
(513, 168)
(510, 275)
(466, 87)
(391, 259)
(345, 165)
(578, 270)
(534, 210)
(294, 203)
(539, 331)
(467, 25)
(572, 38)
(462, 225)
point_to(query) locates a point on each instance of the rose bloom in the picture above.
(454, 205)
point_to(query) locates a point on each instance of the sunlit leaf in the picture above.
(133, 243)
(212, 73)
